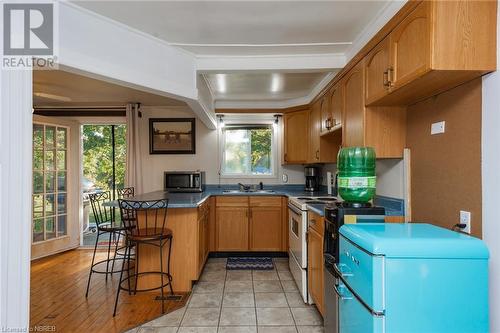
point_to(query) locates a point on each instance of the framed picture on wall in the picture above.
(172, 136)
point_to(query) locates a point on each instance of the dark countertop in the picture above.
(193, 200)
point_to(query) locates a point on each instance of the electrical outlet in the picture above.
(438, 128)
(284, 178)
(465, 219)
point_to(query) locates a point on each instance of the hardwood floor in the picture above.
(58, 286)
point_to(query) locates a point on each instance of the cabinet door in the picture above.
(336, 105)
(296, 136)
(411, 46)
(206, 233)
(377, 66)
(232, 228)
(315, 269)
(354, 108)
(326, 113)
(314, 132)
(201, 244)
(265, 228)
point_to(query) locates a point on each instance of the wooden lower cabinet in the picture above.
(232, 228)
(315, 278)
(252, 223)
(265, 228)
(203, 235)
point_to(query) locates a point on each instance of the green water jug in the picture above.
(356, 174)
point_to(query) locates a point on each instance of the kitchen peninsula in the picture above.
(205, 222)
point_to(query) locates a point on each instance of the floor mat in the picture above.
(246, 263)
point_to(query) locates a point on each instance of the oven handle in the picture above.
(360, 300)
(295, 210)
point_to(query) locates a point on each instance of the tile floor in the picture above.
(241, 302)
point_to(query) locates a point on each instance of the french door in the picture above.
(52, 191)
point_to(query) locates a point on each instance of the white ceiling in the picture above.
(262, 86)
(60, 88)
(248, 29)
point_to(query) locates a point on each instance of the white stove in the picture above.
(297, 231)
(302, 202)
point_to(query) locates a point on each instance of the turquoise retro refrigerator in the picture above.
(411, 278)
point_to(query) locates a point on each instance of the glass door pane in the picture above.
(49, 182)
(100, 171)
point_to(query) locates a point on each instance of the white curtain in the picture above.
(133, 168)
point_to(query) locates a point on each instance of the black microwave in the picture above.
(185, 181)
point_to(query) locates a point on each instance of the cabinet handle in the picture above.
(386, 78)
(328, 123)
(390, 76)
(312, 221)
(286, 157)
(317, 154)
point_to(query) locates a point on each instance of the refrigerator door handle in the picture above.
(358, 298)
(339, 271)
(337, 291)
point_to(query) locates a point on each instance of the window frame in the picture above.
(274, 149)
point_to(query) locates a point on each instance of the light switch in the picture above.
(438, 127)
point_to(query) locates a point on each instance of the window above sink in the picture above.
(248, 148)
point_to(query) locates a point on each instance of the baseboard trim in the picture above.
(248, 254)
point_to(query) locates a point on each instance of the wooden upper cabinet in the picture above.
(326, 113)
(314, 132)
(336, 105)
(377, 68)
(354, 107)
(410, 46)
(296, 137)
(436, 47)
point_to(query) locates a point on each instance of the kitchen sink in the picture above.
(248, 191)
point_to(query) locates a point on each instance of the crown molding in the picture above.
(285, 62)
(374, 26)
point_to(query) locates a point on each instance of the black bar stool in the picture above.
(125, 193)
(104, 217)
(145, 224)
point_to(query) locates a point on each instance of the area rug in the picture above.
(246, 263)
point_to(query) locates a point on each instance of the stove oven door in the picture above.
(296, 235)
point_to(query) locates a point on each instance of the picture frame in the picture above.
(172, 135)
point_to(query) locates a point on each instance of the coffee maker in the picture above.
(312, 178)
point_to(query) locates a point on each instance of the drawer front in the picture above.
(265, 201)
(316, 222)
(363, 272)
(232, 201)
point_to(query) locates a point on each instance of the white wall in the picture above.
(491, 183)
(390, 177)
(206, 157)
